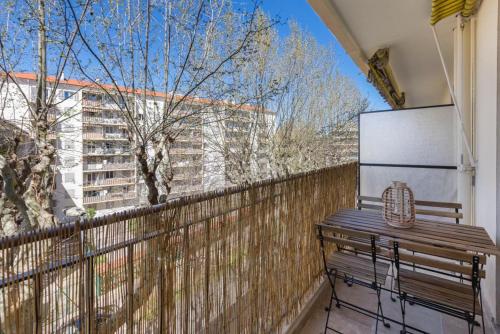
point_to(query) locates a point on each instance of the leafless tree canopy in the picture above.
(313, 105)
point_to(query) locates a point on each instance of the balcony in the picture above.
(99, 104)
(185, 151)
(105, 151)
(109, 198)
(117, 181)
(108, 167)
(253, 251)
(91, 103)
(200, 251)
(104, 121)
(104, 136)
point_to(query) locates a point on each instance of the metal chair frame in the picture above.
(332, 277)
(468, 316)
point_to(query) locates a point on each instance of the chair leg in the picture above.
(332, 284)
(337, 303)
(482, 314)
(472, 321)
(392, 281)
(329, 309)
(402, 302)
(386, 324)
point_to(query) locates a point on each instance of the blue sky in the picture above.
(301, 11)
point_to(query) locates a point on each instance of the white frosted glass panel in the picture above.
(417, 137)
(427, 184)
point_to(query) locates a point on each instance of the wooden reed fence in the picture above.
(242, 260)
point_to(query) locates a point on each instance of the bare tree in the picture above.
(27, 180)
(168, 81)
(296, 83)
(29, 120)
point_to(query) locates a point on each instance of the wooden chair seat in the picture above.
(438, 290)
(357, 266)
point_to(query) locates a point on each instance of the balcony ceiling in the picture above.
(364, 26)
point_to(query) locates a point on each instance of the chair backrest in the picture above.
(427, 209)
(343, 237)
(434, 257)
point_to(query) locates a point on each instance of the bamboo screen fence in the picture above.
(238, 261)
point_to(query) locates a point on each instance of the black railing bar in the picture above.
(369, 164)
(406, 109)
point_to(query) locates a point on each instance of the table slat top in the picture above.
(463, 237)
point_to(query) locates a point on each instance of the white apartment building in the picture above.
(96, 169)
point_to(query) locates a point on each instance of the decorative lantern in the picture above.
(399, 205)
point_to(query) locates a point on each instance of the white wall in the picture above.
(487, 135)
(425, 136)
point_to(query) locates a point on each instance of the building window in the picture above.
(69, 177)
(67, 94)
(109, 174)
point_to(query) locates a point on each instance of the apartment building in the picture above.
(96, 167)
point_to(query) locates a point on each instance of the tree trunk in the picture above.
(148, 175)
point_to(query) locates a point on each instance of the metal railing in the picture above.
(108, 166)
(98, 135)
(103, 120)
(108, 198)
(240, 260)
(109, 182)
(98, 151)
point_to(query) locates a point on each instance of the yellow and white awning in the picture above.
(444, 8)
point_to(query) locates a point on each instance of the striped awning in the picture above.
(381, 76)
(444, 8)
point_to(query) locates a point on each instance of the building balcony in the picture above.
(99, 105)
(104, 121)
(109, 198)
(108, 167)
(91, 103)
(185, 150)
(117, 181)
(104, 136)
(105, 152)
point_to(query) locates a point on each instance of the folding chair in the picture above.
(365, 270)
(458, 298)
